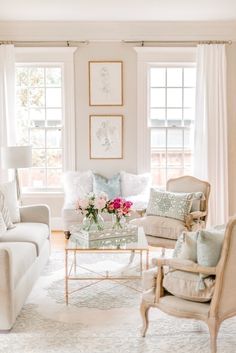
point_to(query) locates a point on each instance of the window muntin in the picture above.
(39, 113)
(171, 120)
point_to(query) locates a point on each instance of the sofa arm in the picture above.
(35, 214)
(7, 315)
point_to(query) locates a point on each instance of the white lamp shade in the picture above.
(17, 157)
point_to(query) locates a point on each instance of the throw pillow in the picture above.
(77, 185)
(111, 186)
(198, 197)
(3, 227)
(135, 184)
(169, 204)
(10, 200)
(5, 213)
(209, 246)
(186, 246)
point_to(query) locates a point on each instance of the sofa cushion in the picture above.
(3, 227)
(134, 184)
(161, 227)
(185, 285)
(23, 255)
(111, 186)
(77, 185)
(169, 204)
(5, 212)
(10, 200)
(34, 233)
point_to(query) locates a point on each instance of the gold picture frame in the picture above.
(106, 136)
(106, 83)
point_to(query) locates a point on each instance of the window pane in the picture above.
(38, 178)
(53, 77)
(37, 114)
(22, 97)
(174, 97)
(38, 158)
(36, 97)
(157, 113)
(36, 77)
(189, 97)
(158, 77)
(174, 116)
(54, 114)
(158, 158)
(53, 138)
(174, 77)
(190, 77)
(158, 97)
(189, 113)
(37, 137)
(188, 138)
(188, 159)
(158, 176)
(53, 97)
(158, 138)
(54, 177)
(174, 159)
(174, 173)
(22, 77)
(54, 158)
(175, 138)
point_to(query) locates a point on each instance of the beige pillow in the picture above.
(186, 246)
(185, 285)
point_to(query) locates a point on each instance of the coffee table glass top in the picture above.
(130, 238)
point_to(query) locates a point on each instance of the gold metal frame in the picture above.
(90, 135)
(100, 277)
(90, 83)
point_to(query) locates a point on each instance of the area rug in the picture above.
(102, 318)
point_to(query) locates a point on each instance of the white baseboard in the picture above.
(56, 223)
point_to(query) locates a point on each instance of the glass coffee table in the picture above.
(131, 240)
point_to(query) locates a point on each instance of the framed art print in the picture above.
(106, 83)
(106, 136)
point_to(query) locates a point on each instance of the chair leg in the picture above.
(144, 308)
(213, 329)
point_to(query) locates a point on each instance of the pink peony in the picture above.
(99, 203)
(83, 203)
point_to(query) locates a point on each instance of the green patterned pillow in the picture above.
(110, 186)
(169, 204)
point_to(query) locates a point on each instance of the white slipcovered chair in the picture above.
(163, 231)
(222, 305)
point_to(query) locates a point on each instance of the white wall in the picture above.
(118, 51)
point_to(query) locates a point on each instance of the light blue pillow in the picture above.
(209, 246)
(169, 204)
(110, 186)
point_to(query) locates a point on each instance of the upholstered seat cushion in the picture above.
(175, 305)
(161, 227)
(22, 256)
(34, 233)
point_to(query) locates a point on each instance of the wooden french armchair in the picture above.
(223, 303)
(162, 231)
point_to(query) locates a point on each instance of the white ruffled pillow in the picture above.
(135, 184)
(77, 185)
(10, 200)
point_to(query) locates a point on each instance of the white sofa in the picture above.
(133, 187)
(24, 251)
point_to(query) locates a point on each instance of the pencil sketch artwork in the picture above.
(106, 136)
(105, 83)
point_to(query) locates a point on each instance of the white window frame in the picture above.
(147, 56)
(65, 58)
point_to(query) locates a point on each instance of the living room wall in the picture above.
(118, 51)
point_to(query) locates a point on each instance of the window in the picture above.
(171, 100)
(39, 113)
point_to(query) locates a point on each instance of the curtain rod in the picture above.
(142, 43)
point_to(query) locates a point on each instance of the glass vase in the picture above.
(93, 222)
(118, 222)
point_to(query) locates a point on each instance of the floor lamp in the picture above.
(17, 157)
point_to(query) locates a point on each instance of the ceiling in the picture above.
(118, 10)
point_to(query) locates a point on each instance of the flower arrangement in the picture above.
(120, 208)
(91, 206)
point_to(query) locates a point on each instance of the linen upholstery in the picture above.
(35, 233)
(222, 305)
(19, 264)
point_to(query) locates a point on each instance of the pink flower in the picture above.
(83, 203)
(99, 203)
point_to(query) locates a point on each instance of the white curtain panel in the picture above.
(211, 153)
(7, 100)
